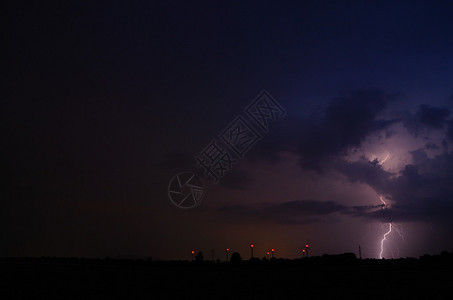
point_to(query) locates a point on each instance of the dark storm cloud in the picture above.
(422, 191)
(434, 210)
(347, 121)
(364, 208)
(306, 207)
(450, 130)
(342, 124)
(393, 214)
(418, 156)
(430, 116)
(389, 133)
(432, 146)
(365, 171)
(426, 117)
(291, 212)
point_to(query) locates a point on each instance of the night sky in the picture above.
(104, 103)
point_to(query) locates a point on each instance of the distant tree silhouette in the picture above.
(199, 257)
(236, 257)
(254, 260)
(340, 257)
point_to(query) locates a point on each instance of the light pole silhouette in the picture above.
(267, 254)
(193, 252)
(251, 250)
(272, 252)
(306, 247)
(227, 252)
(303, 252)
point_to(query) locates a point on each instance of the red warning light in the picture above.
(306, 245)
(193, 252)
(251, 245)
(273, 250)
(268, 253)
(228, 249)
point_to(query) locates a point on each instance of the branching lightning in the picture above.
(387, 233)
(392, 226)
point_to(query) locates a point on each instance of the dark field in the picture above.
(280, 279)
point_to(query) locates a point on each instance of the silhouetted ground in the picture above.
(327, 277)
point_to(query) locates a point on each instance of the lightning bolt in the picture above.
(399, 229)
(383, 161)
(391, 226)
(388, 232)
